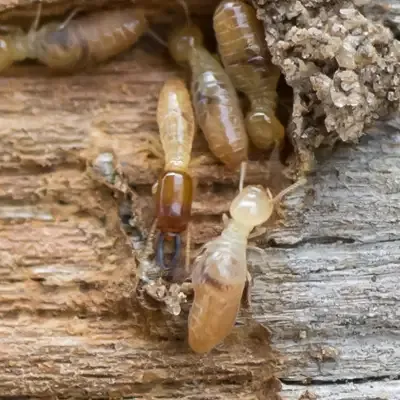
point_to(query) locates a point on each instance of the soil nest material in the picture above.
(344, 69)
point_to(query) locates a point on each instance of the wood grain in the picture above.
(328, 289)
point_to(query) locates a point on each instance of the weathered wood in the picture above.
(71, 122)
(329, 289)
(382, 390)
(67, 289)
(75, 357)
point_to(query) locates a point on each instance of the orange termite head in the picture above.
(182, 40)
(252, 206)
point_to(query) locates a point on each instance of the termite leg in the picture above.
(203, 159)
(260, 254)
(153, 146)
(69, 18)
(243, 168)
(143, 255)
(154, 188)
(246, 297)
(225, 220)
(160, 251)
(258, 231)
(188, 249)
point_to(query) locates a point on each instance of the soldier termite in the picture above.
(220, 271)
(244, 54)
(75, 44)
(174, 189)
(214, 97)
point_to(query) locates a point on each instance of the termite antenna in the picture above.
(185, 7)
(35, 22)
(284, 192)
(243, 169)
(157, 38)
(69, 18)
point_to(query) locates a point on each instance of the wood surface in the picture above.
(328, 290)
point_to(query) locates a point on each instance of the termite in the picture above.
(245, 56)
(220, 273)
(214, 98)
(174, 189)
(75, 44)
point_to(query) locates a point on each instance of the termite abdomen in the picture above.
(176, 123)
(246, 59)
(89, 40)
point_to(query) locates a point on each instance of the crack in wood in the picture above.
(340, 381)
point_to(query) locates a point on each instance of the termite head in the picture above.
(6, 54)
(265, 131)
(182, 40)
(252, 206)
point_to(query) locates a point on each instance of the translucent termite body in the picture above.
(174, 189)
(214, 97)
(245, 56)
(220, 270)
(75, 44)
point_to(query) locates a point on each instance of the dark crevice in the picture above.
(312, 240)
(341, 381)
(324, 240)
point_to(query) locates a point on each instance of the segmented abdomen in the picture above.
(244, 53)
(218, 278)
(175, 118)
(91, 39)
(217, 109)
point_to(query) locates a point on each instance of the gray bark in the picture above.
(330, 288)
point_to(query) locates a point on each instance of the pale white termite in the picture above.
(220, 271)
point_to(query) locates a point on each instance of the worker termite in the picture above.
(219, 272)
(76, 43)
(174, 189)
(214, 97)
(244, 54)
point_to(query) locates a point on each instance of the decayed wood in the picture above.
(328, 290)
(67, 122)
(67, 289)
(77, 357)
